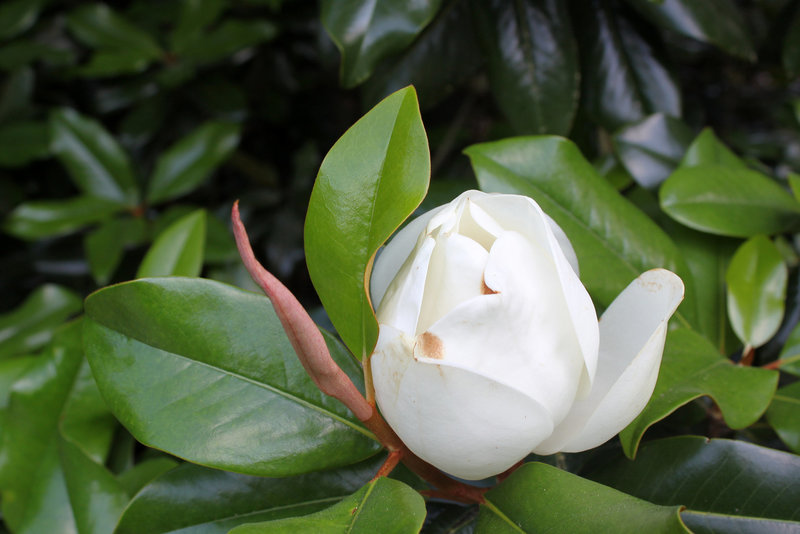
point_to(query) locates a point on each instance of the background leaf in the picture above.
(708, 149)
(756, 281)
(691, 368)
(726, 201)
(557, 501)
(178, 250)
(533, 63)
(230, 391)
(371, 180)
(105, 246)
(782, 415)
(47, 218)
(100, 27)
(22, 142)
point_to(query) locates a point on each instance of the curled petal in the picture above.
(461, 422)
(632, 334)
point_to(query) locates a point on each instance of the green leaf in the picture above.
(756, 278)
(98, 26)
(105, 246)
(533, 63)
(48, 218)
(791, 46)
(185, 165)
(726, 201)
(651, 149)
(93, 158)
(143, 473)
(195, 16)
(205, 371)
(16, 16)
(542, 498)
(23, 142)
(443, 56)
(178, 250)
(624, 79)
(691, 368)
(31, 325)
(790, 354)
(707, 149)
(717, 22)
(15, 95)
(382, 505)
(193, 499)
(108, 63)
(615, 242)
(740, 480)
(34, 497)
(371, 180)
(230, 37)
(782, 415)
(368, 31)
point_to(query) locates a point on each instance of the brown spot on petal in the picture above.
(430, 346)
(486, 290)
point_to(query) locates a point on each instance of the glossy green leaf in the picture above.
(16, 16)
(691, 368)
(34, 495)
(726, 201)
(624, 79)
(227, 39)
(533, 63)
(94, 159)
(444, 55)
(23, 142)
(790, 353)
(178, 250)
(783, 415)
(368, 31)
(614, 241)
(47, 218)
(716, 22)
(707, 149)
(756, 279)
(382, 505)
(195, 16)
(31, 324)
(791, 46)
(193, 499)
(542, 498)
(743, 481)
(144, 472)
(105, 246)
(205, 371)
(651, 149)
(371, 180)
(186, 164)
(100, 27)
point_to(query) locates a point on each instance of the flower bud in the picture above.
(489, 346)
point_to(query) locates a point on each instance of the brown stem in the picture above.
(748, 354)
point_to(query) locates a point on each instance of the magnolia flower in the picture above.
(489, 346)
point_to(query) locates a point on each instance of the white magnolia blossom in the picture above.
(489, 345)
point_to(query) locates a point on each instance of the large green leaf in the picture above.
(727, 201)
(205, 371)
(100, 27)
(371, 180)
(533, 63)
(46, 218)
(178, 250)
(94, 159)
(368, 31)
(651, 149)
(31, 324)
(624, 79)
(382, 505)
(756, 279)
(191, 160)
(22, 142)
(194, 499)
(708, 149)
(541, 498)
(614, 241)
(444, 55)
(717, 22)
(691, 368)
(753, 488)
(783, 415)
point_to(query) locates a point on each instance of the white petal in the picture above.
(465, 424)
(522, 335)
(402, 302)
(564, 244)
(455, 274)
(632, 334)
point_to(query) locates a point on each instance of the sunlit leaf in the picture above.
(178, 250)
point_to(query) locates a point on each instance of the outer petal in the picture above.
(461, 422)
(632, 334)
